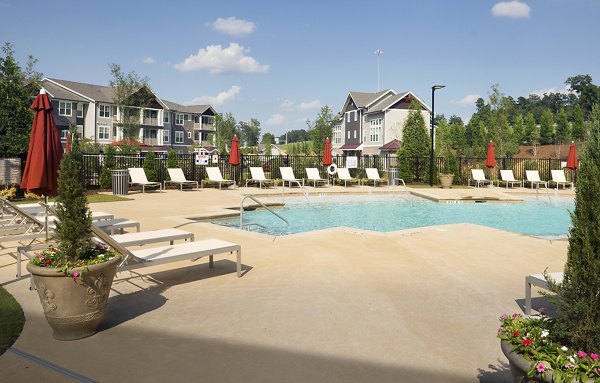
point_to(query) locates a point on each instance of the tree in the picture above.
(320, 129)
(546, 127)
(589, 94)
(563, 130)
(578, 131)
(16, 92)
(519, 129)
(149, 166)
(458, 137)
(577, 303)
(268, 139)
(250, 132)
(226, 129)
(131, 93)
(415, 138)
(108, 164)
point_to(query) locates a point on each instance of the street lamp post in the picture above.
(378, 52)
(433, 89)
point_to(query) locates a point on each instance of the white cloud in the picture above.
(219, 99)
(514, 9)
(544, 91)
(468, 100)
(219, 60)
(276, 119)
(290, 105)
(233, 26)
(148, 60)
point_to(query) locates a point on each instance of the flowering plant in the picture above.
(532, 338)
(55, 258)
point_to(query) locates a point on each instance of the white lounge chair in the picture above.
(312, 174)
(540, 281)
(177, 177)
(373, 175)
(258, 176)
(344, 175)
(509, 178)
(558, 177)
(214, 175)
(287, 174)
(138, 177)
(479, 178)
(533, 177)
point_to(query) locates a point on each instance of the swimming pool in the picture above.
(548, 217)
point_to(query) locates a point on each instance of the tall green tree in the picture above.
(577, 300)
(578, 130)
(563, 128)
(250, 132)
(519, 129)
(129, 97)
(267, 140)
(16, 92)
(226, 127)
(532, 133)
(320, 129)
(546, 127)
(588, 93)
(457, 134)
(415, 138)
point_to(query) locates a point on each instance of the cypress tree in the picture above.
(578, 297)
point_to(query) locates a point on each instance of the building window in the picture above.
(166, 118)
(208, 120)
(178, 119)
(189, 135)
(348, 118)
(63, 134)
(355, 134)
(103, 132)
(348, 134)
(375, 130)
(79, 131)
(104, 111)
(65, 108)
(166, 135)
(189, 117)
(179, 137)
(337, 134)
(356, 115)
(79, 109)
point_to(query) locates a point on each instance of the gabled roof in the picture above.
(389, 102)
(392, 145)
(196, 109)
(362, 100)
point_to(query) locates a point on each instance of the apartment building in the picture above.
(371, 123)
(164, 124)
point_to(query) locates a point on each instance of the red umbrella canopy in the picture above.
(490, 160)
(572, 158)
(327, 158)
(45, 150)
(234, 154)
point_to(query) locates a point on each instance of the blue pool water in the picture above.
(544, 217)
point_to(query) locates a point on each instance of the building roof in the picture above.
(88, 91)
(362, 100)
(387, 102)
(392, 145)
(351, 147)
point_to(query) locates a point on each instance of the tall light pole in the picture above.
(433, 89)
(378, 52)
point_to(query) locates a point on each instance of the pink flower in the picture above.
(541, 367)
(515, 334)
(581, 354)
(75, 274)
(569, 365)
(594, 356)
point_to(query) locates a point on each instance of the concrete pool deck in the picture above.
(337, 305)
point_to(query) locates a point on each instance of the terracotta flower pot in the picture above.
(446, 180)
(74, 309)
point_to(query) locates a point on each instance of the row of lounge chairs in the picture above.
(29, 235)
(532, 177)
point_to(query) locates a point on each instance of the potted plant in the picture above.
(73, 278)
(565, 348)
(449, 169)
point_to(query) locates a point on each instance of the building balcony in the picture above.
(200, 126)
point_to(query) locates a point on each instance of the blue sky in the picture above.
(281, 61)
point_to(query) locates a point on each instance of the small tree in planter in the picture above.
(109, 163)
(73, 279)
(149, 166)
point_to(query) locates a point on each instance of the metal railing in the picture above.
(242, 225)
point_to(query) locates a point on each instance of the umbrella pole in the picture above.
(46, 215)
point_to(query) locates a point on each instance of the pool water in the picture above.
(543, 217)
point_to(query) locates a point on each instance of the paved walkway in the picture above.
(338, 305)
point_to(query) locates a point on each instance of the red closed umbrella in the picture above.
(327, 157)
(234, 154)
(572, 157)
(45, 151)
(490, 160)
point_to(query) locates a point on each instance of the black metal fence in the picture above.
(92, 166)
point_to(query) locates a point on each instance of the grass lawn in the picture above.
(92, 198)
(11, 320)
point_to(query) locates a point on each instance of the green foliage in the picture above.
(131, 92)
(12, 320)
(172, 161)
(250, 132)
(519, 129)
(532, 131)
(108, 164)
(298, 135)
(578, 299)
(226, 129)
(563, 129)
(320, 129)
(578, 130)
(415, 138)
(16, 92)
(73, 227)
(451, 163)
(268, 139)
(88, 145)
(149, 166)
(546, 127)
(404, 165)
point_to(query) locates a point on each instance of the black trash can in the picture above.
(120, 182)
